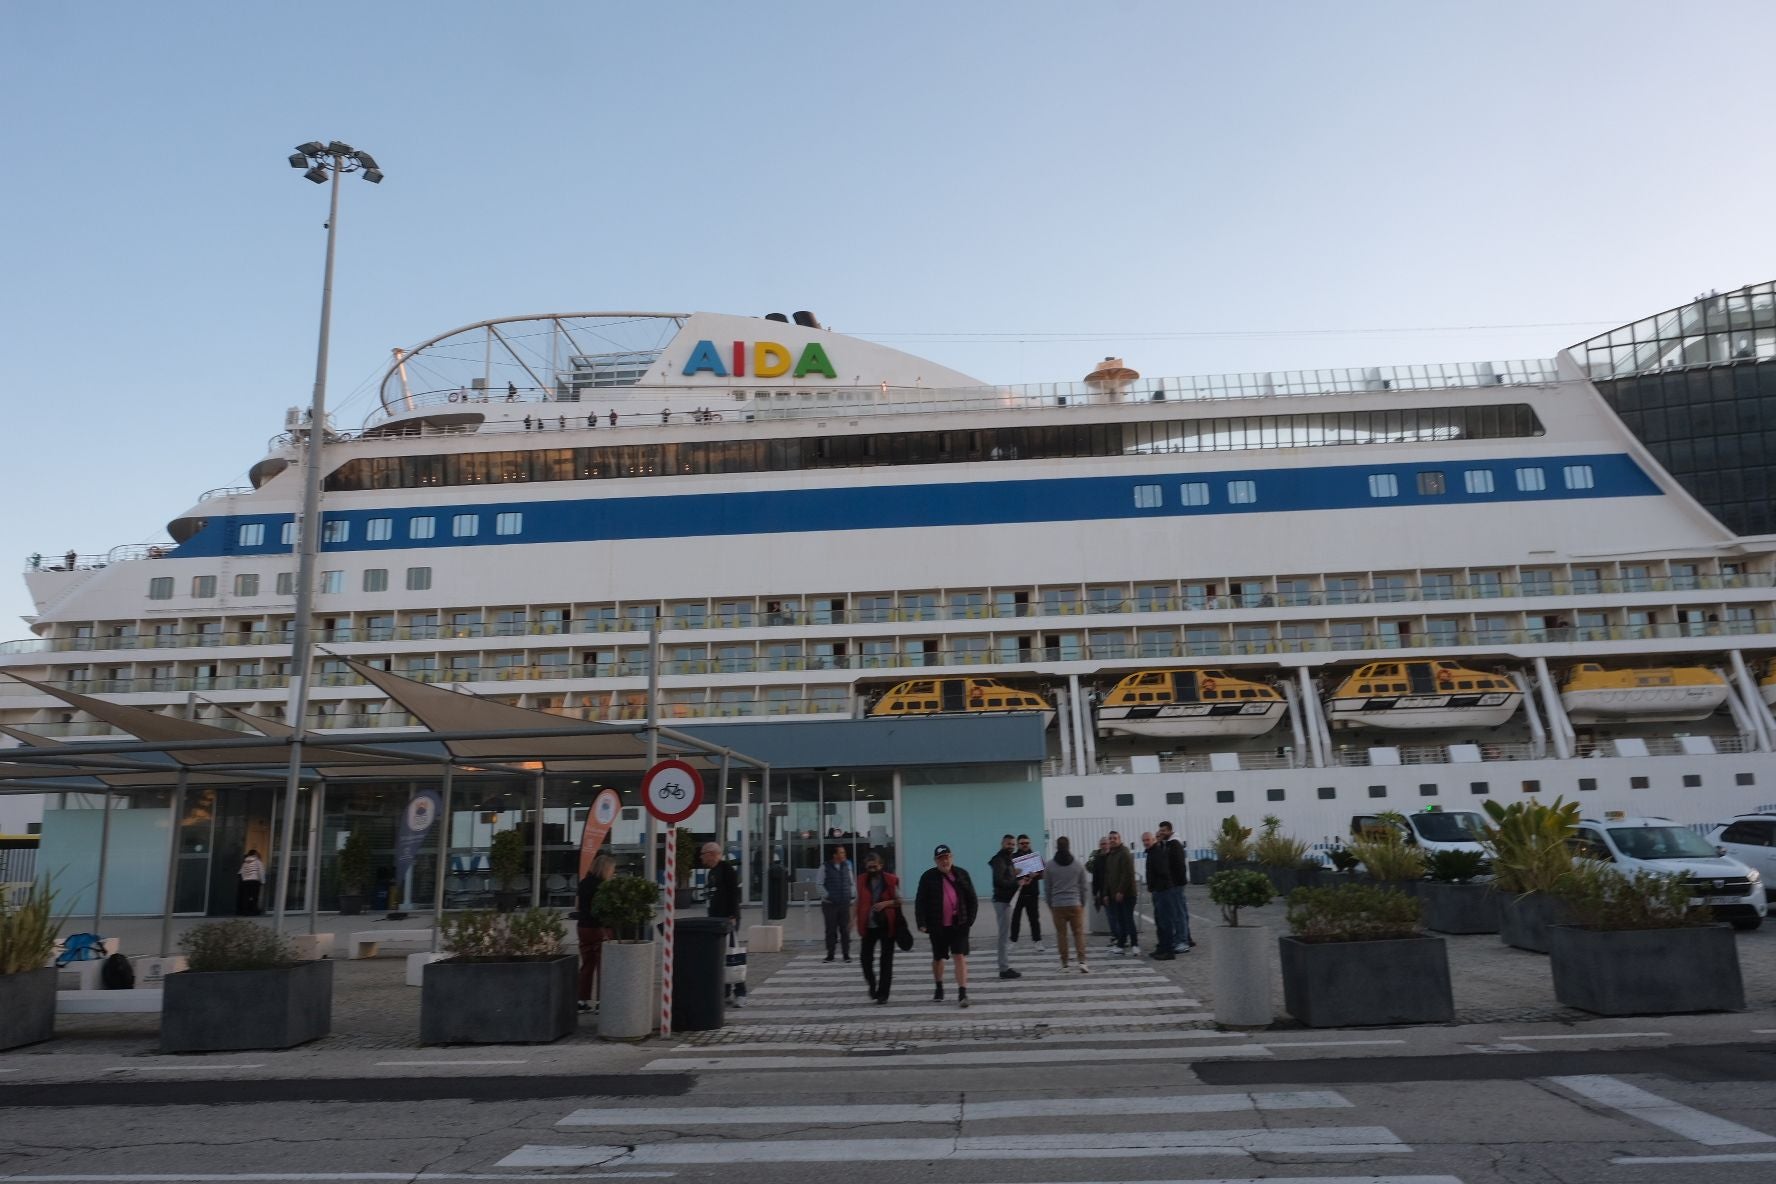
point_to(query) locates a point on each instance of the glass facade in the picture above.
(1697, 385)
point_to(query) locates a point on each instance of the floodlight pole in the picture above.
(336, 159)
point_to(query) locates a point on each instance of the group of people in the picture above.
(945, 905)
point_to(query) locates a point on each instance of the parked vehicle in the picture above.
(1432, 830)
(1751, 839)
(1733, 890)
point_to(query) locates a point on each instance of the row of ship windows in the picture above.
(1431, 483)
(376, 530)
(1328, 793)
(246, 584)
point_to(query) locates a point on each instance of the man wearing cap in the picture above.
(944, 908)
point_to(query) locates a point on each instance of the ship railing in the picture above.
(73, 561)
(224, 491)
(882, 399)
(964, 654)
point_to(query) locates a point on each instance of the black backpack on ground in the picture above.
(117, 974)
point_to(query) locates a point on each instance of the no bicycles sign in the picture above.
(672, 791)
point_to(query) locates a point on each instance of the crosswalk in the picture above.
(1186, 1126)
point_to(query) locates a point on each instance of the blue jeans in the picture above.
(1122, 921)
(1167, 939)
(1177, 914)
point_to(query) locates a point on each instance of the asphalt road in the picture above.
(1703, 1113)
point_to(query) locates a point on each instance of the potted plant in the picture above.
(244, 987)
(355, 870)
(625, 905)
(507, 980)
(1454, 900)
(28, 928)
(1357, 956)
(1636, 945)
(1282, 858)
(1386, 857)
(1239, 955)
(506, 861)
(1232, 848)
(1529, 845)
(1343, 862)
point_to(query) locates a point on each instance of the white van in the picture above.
(1431, 830)
(1734, 891)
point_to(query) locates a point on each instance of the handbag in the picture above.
(734, 973)
(903, 933)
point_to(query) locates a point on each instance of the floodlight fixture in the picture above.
(374, 176)
(311, 148)
(339, 148)
(365, 159)
(318, 175)
(298, 160)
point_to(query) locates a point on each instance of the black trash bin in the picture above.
(699, 968)
(777, 893)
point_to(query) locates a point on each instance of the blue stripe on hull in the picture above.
(986, 503)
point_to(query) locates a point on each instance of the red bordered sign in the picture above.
(672, 791)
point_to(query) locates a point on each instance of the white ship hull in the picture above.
(1191, 720)
(1424, 712)
(1645, 704)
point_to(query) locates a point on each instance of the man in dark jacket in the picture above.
(1029, 897)
(1159, 881)
(944, 907)
(1178, 867)
(1006, 883)
(1119, 893)
(724, 901)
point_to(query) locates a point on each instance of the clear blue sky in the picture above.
(1243, 177)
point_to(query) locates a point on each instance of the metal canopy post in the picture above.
(172, 884)
(650, 865)
(317, 800)
(104, 852)
(745, 847)
(443, 859)
(536, 838)
(721, 807)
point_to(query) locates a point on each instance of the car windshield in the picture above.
(1661, 842)
(1455, 827)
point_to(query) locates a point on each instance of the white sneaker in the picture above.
(1084, 969)
(738, 1001)
(1041, 949)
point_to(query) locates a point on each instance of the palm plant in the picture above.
(1530, 844)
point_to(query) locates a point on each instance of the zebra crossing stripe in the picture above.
(1335, 1140)
(1042, 989)
(1009, 1056)
(980, 1034)
(1003, 1025)
(988, 1007)
(951, 1112)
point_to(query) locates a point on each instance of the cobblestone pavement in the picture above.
(374, 1008)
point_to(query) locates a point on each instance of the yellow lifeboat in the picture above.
(958, 696)
(1424, 694)
(1189, 703)
(1592, 694)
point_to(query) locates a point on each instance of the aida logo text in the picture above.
(768, 359)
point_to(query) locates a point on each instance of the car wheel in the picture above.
(1747, 923)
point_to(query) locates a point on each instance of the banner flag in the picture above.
(598, 824)
(422, 811)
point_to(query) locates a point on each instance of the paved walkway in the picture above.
(800, 1001)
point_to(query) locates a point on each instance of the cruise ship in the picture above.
(1309, 593)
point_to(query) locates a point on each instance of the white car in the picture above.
(1751, 839)
(1734, 891)
(1430, 830)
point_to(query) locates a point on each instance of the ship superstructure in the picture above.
(814, 519)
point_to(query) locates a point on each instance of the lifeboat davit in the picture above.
(1428, 694)
(959, 696)
(1592, 694)
(1171, 703)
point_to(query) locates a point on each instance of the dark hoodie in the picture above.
(1066, 879)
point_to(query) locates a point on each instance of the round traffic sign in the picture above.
(672, 791)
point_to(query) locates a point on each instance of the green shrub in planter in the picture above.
(28, 928)
(504, 937)
(1233, 843)
(1529, 844)
(1383, 852)
(1357, 956)
(244, 988)
(505, 859)
(1341, 857)
(236, 945)
(625, 905)
(355, 870)
(1599, 897)
(506, 981)
(1280, 856)
(1236, 890)
(1455, 867)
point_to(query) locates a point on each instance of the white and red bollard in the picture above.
(666, 949)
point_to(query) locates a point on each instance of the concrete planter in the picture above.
(233, 1010)
(351, 904)
(475, 1002)
(1524, 920)
(27, 1007)
(1284, 879)
(1459, 908)
(1202, 869)
(628, 1008)
(1345, 984)
(1239, 976)
(1646, 971)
